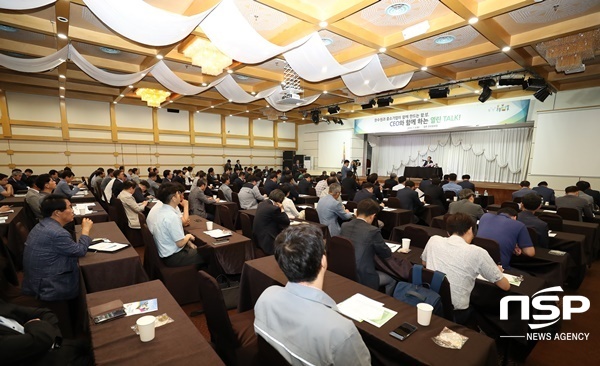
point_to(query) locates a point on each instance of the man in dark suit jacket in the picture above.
(389, 183)
(531, 202)
(586, 188)
(30, 336)
(436, 193)
(269, 221)
(409, 199)
(350, 186)
(305, 183)
(466, 183)
(239, 182)
(238, 165)
(118, 184)
(271, 183)
(572, 200)
(368, 242)
(546, 193)
(365, 193)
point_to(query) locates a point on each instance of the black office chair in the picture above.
(340, 257)
(491, 246)
(554, 221)
(568, 213)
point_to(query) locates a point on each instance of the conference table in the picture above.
(176, 343)
(324, 228)
(12, 246)
(305, 199)
(422, 172)
(19, 199)
(102, 271)
(97, 215)
(418, 349)
(230, 255)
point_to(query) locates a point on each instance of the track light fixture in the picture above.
(315, 116)
(542, 94)
(384, 102)
(369, 105)
(534, 84)
(437, 93)
(333, 109)
(486, 91)
(511, 81)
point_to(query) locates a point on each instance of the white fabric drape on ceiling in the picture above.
(144, 23)
(231, 33)
(41, 64)
(102, 76)
(24, 4)
(488, 156)
(372, 79)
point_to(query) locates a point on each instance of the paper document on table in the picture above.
(304, 206)
(218, 233)
(388, 209)
(393, 247)
(513, 280)
(550, 211)
(303, 195)
(360, 307)
(551, 234)
(9, 211)
(20, 195)
(141, 307)
(107, 247)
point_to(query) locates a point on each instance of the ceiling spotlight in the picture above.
(61, 87)
(62, 96)
(534, 84)
(486, 91)
(505, 48)
(437, 93)
(204, 84)
(253, 93)
(315, 116)
(424, 68)
(323, 24)
(511, 81)
(369, 105)
(130, 86)
(304, 114)
(333, 109)
(212, 106)
(121, 95)
(230, 71)
(382, 49)
(62, 36)
(62, 76)
(384, 102)
(62, 19)
(160, 57)
(542, 94)
(473, 20)
(325, 92)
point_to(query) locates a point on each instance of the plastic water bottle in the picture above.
(485, 193)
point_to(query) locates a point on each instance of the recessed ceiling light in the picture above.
(247, 111)
(212, 106)
(323, 24)
(230, 71)
(61, 87)
(505, 48)
(143, 75)
(424, 68)
(303, 118)
(397, 9)
(62, 96)
(382, 49)
(160, 57)
(230, 100)
(62, 36)
(231, 115)
(110, 51)
(159, 107)
(6, 28)
(259, 118)
(170, 101)
(197, 111)
(473, 20)
(325, 92)
(130, 86)
(121, 95)
(366, 82)
(268, 106)
(204, 84)
(352, 111)
(62, 76)
(425, 99)
(445, 39)
(476, 91)
(62, 19)
(327, 41)
(115, 102)
(253, 93)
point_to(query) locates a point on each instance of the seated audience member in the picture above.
(132, 208)
(409, 199)
(174, 246)
(118, 184)
(583, 185)
(153, 185)
(466, 205)
(178, 177)
(595, 194)
(134, 175)
(28, 177)
(365, 193)
(96, 177)
(225, 182)
(105, 180)
(141, 191)
(512, 236)
(451, 185)
(400, 185)
(184, 216)
(466, 182)
(425, 183)
(63, 187)
(531, 203)
(445, 180)
(323, 184)
(167, 176)
(368, 242)
(269, 221)
(6, 190)
(546, 193)
(239, 182)
(197, 199)
(391, 182)
(16, 181)
(350, 186)
(250, 194)
(435, 192)
(571, 199)
(300, 320)
(330, 209)
(461, 263)
(109, 187)
(305, 183)
(42, 187)
(31, 336)
(374, 180)
(288, 205)
(211, 177)
(328, 182)
(50, 268)
(271, 183)
(523, 191)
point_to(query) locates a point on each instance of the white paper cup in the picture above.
(209, 225)
(214, 196)
(546, 203)
(405, 245)
(424, 312)
(355, 211)
(82, 210)
(316, 205)
(145, 326)
(455, 198)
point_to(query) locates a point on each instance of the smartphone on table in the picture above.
(403, 331)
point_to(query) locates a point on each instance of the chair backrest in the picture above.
(534, 236)
(510, 204)
(17, 247)
(120, 214)
(236, 199)
(340, 257)
(141, 218)
(393, 193)
(225, 217)
(268, 355)
(445, 293)
(221, 195)
(569, 213)
(518, 199)
(393, 202)
(262, 190)
(555, 222)
(449, 195)
(247, 222)
(152, 261)
(311, 215)
(490, 245)
(30, 218)
(428, 199)
(312, 192)
(351, 205)
(217, 318)
(418, 237)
